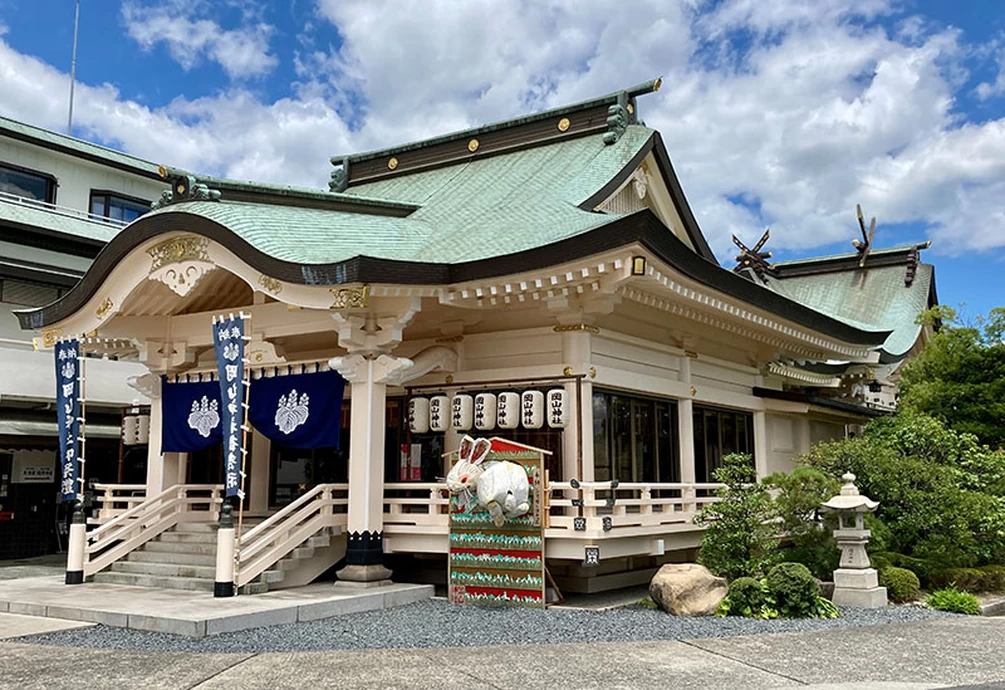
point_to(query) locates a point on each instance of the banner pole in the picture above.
(246, 318)
(82, 460)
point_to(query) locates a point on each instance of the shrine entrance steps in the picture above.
(184, 558)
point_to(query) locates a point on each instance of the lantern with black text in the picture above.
(485, 411)
(532, 409)
(508, 410)
(462, 412)
(439, 413)
(558, 409)
(418, 415)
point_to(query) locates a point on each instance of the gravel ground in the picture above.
(438, 623)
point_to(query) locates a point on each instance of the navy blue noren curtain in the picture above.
(191, 416)
(299, 410)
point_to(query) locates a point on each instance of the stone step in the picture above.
(180, 547)
(319, 541)
(197, 527)
(181, 558)
(193, 584)
(188, 537)
(202, 572)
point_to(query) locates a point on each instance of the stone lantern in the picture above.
(855, 583)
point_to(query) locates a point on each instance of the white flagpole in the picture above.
(73, 70)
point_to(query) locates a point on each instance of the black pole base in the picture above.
(221, 589)
(74, 577)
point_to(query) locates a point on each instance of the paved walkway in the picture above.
(194, 614)
(950, 652)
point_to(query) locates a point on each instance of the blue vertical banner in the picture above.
(228, 339)
(67, 355)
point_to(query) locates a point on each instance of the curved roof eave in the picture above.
(642, 227)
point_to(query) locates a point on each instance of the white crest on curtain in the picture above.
(205, 416)
(292, 412)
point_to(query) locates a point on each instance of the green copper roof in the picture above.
(76, 147)
(871, 299)
(473, 210)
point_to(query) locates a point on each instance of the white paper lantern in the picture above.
(485, 411)
(418, 415)
(558, 410)
(143, 430)
(508, 411)
(532, 409)
(462, 409)
(439, 413)
(130, 430)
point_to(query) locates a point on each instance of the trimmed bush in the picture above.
(901, 584)
(920, 567)
(955, 601)
(748, 598)
(794, 589)
(880, 561)
(964, 579)
(994, 578)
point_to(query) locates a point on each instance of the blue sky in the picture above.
(781, 114)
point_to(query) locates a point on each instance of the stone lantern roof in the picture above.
(849, 500)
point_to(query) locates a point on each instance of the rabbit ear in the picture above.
(481, 450)
(467, 445)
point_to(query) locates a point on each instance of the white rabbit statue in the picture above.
(501, 487)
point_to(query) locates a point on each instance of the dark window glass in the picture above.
(26, 184)
(117, 208)
(718, 433)
(634, 439)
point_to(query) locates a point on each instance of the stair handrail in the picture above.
(288, 510)
(302, 519)
(129, 531)
(133, 513)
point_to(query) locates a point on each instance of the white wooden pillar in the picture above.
(577, 353)
(368, 378)
(685, 426)
(760, 444)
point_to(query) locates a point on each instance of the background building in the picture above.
(61, 200)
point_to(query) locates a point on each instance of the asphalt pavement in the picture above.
(937, 653)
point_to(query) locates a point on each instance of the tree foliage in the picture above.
(941, 494)
(740, 535)
(959, 378)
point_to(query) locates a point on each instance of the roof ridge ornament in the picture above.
(619, 116)
(754, 258)
(865, 246)
(185, 188)
(339, 179)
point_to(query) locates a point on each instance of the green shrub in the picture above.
(994, 578)
(749, 598)
(739, 537)
(955, 601)
(794, 589)
(965, 579)
(881, 561)
(901, 584)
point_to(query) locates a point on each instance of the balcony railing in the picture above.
(60, 210)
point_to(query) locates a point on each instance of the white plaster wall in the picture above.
(76, 178)
(636, 357)
(788, 438)
(512, 350)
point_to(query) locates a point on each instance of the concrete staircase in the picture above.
(185, 558)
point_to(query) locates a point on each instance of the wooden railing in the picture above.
(136, 526)
(114, 499)
(637, 507)
(323, 507)
(417, 506)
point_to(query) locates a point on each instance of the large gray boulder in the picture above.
(687, 589)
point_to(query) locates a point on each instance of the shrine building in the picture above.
(541, 280)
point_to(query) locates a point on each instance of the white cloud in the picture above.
(241, 52)
(802, 114)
